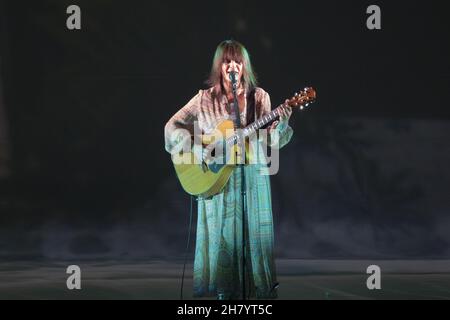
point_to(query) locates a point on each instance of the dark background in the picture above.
(83, 170)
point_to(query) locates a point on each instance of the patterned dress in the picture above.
(218, 253)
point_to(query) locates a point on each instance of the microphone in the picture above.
(233, 79)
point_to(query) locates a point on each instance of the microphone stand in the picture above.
(241, 145)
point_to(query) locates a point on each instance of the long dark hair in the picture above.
(231, 50)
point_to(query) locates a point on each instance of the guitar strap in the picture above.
(252, 115)
(251, 110)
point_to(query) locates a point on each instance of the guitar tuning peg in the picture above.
(301, 108)
(296, 94)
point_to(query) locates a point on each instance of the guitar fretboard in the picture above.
(250, 129)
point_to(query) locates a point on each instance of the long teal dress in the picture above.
(218, 251)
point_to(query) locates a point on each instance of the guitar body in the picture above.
(197, 182)
(197, 179)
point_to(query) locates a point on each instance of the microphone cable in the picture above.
(187, 247)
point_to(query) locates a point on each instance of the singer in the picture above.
(218, 253)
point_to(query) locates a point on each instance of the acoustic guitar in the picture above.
(207, 176)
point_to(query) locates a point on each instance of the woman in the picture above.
(218, 253)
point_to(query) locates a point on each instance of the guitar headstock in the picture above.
(302, 99)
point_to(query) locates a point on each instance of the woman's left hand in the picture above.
(286, 112)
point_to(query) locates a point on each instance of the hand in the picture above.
(286, 112)
(217, 148)
(273, 125)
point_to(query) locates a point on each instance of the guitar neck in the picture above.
(258, 124)
(302, 99)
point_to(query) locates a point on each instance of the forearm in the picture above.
(280, 135)
(179, 130)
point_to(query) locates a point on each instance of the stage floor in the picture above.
(299, 279)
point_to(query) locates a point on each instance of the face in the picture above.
(229, 66)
